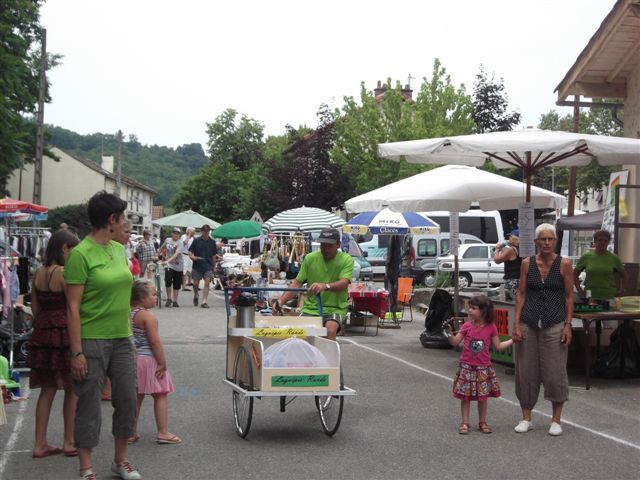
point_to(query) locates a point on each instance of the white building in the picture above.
(73, 180)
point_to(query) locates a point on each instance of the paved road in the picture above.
(401, 424)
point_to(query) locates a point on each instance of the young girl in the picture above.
(476, 378)
(153, 377)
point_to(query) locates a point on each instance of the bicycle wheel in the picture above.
(330, 411)
(242, 404)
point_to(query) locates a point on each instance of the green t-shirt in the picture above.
(103, 270)
(600, 270)
(315, 269)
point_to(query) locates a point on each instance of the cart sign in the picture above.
(279, 332)
(300, 381)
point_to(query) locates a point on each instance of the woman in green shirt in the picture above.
(98, 292)
(606, 276)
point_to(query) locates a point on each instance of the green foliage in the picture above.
(440, 109)
(596, 121)
(236, 141)
(75, 216)
(443, 280)
(162, 168)
(490, 105)
(19, 82)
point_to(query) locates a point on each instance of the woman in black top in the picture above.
(509, 255)
(542, 329)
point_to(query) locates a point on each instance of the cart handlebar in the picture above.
(266, 289)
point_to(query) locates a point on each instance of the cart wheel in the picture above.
(330, 410)
(242, 404)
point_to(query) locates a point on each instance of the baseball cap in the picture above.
(329, 235)
(176, 230)
(205, 226)
(515, 232)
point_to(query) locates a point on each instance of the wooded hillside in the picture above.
(162, 168)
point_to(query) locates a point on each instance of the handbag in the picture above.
(271, 261)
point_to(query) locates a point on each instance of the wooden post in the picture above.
(573, 170)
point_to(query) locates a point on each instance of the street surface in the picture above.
(402, 424)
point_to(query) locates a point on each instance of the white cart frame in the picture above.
(249, 379)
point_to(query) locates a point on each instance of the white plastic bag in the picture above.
(294, 353)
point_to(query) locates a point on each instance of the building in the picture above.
(73, 180)
(609, 68)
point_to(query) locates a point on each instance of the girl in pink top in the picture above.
(476, 378)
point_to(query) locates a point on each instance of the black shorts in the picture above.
(172, 278)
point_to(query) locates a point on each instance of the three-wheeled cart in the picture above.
(250, 379)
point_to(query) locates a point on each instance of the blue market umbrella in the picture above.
(387, 222)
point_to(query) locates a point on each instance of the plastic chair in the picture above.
(405, 296)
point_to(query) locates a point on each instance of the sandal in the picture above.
(463, 429)
(483, 427)
(133, 439)
(172, 440)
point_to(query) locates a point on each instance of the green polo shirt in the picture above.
(600, 270)
(315, 269)
(103, 270)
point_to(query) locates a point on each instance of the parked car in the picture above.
(425, 250)
(475, 265)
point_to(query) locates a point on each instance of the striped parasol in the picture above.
(306, 219)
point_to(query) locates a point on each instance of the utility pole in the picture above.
(119, 170)
(37, 174)
(573, 170)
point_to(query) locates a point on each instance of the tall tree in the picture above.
(490, 105)
(440, 109)
(19, 82)
(596, 121)
(238, 141)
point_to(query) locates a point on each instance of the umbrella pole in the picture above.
(456, 285)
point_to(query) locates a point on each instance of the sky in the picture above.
(164, 69)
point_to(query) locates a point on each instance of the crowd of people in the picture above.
(93, 324)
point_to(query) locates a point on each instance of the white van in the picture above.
(425, 250)
(486, 226)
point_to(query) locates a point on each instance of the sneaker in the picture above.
(88, 475)
(205, 305)
(168, 303)
(555, 429)
(175, 304)
(195, 301)
(524, 426)
(126, 471)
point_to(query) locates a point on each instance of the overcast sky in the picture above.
(163, 69)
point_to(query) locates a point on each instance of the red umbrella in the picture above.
(9, 205)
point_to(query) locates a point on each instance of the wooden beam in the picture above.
(599, 90)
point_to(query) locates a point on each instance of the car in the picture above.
(475, 265)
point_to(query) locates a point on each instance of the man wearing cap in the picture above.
(146, 253)
(327, 273)
(174, 259)
(202, 252)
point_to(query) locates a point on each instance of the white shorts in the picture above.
(187, 264)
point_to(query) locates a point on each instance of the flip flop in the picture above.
(70, 453)
(48, 452)
(134, 439)
(169, 441)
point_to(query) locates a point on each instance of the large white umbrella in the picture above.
(454, 188)
(188, 218)
(529, 150)
(305, 219)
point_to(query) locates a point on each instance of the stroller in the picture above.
(440, 309)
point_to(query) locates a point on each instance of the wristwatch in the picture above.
(327, 286)
(76, 354)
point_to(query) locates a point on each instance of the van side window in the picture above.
(427, 247)
(476, 252)
(444, 246)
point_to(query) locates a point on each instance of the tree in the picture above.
(236, 141)
(596, 121)
(439, 109)
(19, 82)
(75, 216)
(490, 105)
